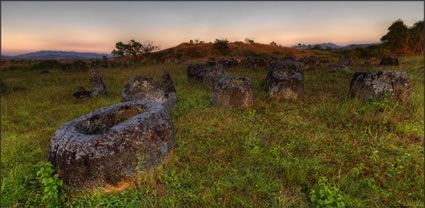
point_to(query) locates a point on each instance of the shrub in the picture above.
(52, 185)
(246, 53)
(194, 53)
(325, 195)
(47, 64)
(222, 46)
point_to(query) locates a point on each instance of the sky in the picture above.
(97, 26)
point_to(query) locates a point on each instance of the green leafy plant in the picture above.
(52, 185)
(326, 195)
(377, 104)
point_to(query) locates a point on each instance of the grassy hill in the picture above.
(203, 51)
(277, 153)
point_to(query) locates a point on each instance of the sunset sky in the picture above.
(97, 26)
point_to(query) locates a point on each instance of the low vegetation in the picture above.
(322, 150)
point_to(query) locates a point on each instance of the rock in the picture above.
(140, 88)
(110, 145)
(212, 75)
(207, 73)
(324, 62)
(98, 87)
(105, 63)
(389, 61)
(308, 61)
(169, 89)
(286, 65)
(253, 62)
(285, 79)
(346, 60)
(338, 68)
(290, 58)
(167, 82)
(82, 93)
(376, 83)
(233, 91)
(232, 62)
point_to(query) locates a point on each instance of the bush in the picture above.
(52, 185)
(246, 53)
(276, 52)
(222, 46)
(4, 88)
(325, 195)
(47, 64)
(194, 53)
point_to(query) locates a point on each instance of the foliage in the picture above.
(403, 40)
(52, 185)
(133, 48)
(397, 37)
(416, 38)
(326, 195)
(246, 53)
(221, 46)
(46, 64)
(194, 53)
(317, 47)
(249, 41)
(273, 44)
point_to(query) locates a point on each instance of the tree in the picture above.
(133, 48)
(273, 43)
(416, 38)
(317, 46)
(222, 46)
(249, 41)
(397, 38)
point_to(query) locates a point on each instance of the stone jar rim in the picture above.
(149, 107)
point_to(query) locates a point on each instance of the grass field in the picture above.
(324, 148)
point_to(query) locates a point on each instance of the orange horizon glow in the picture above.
(97, 26)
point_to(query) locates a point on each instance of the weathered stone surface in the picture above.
(324, 62)
(232, 62)
(285, 79)
(208, 73)
(233, 91)
(98, 87)
(169, 89)
(338, 68)
(346, 60)
(140, 88)
(286, 65)
(389, 61)
(82, 93)
(308, 61)
(253, 62)
(109, 145)
(376, 83)
(369, 61)
(77, 65)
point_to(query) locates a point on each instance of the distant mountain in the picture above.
(333, 45)
(53, 55)
(351, 46)
(6, 57)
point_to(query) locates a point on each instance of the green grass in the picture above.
(274, 154)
